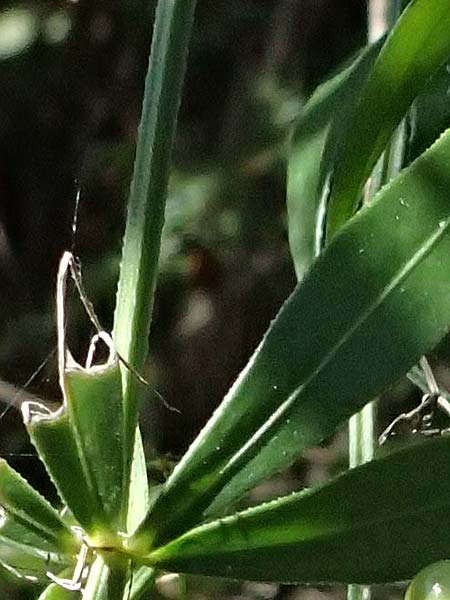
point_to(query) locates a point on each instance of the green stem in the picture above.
(139, 267)
(107, 577)
(141, 581)
(362, 436)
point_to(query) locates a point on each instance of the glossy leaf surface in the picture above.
(315, 367)
(334, 532)
(415, 48)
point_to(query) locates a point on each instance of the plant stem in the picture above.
(362, 436)
(382, 15)
(107, 578)
(140, 582)
(146, 207)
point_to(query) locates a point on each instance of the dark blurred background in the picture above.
(71, 82)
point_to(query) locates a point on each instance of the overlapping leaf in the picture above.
(376, 523)
(33, 537)
(336, 343)
(332, 102)
(28, 562)
(417, 45)
(430, 113)
(81, 443)
(29, 518)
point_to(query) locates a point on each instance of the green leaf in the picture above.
(139, 267)
(27, 562)
(430, 113)
(94, 400)
(15, 531)
(139, 500)
(306, 203)
(25, 513)
(28, 555)
(315, 366)
(85, 434)
(415, 48)
(56, 592)
(377, 523)
(54, 439)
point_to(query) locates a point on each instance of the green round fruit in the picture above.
(431, 583)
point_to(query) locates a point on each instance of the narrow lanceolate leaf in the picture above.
(139, 495)
(93, 397)
(139, 267)
(27, 562)
(54, 439)
(415, 48)
(28, 552)
(80, 445)
(377, 523)
(306, 202)
(430, 113)
(314, 367)
(12, 529)
(86, 433)
(25, 513)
